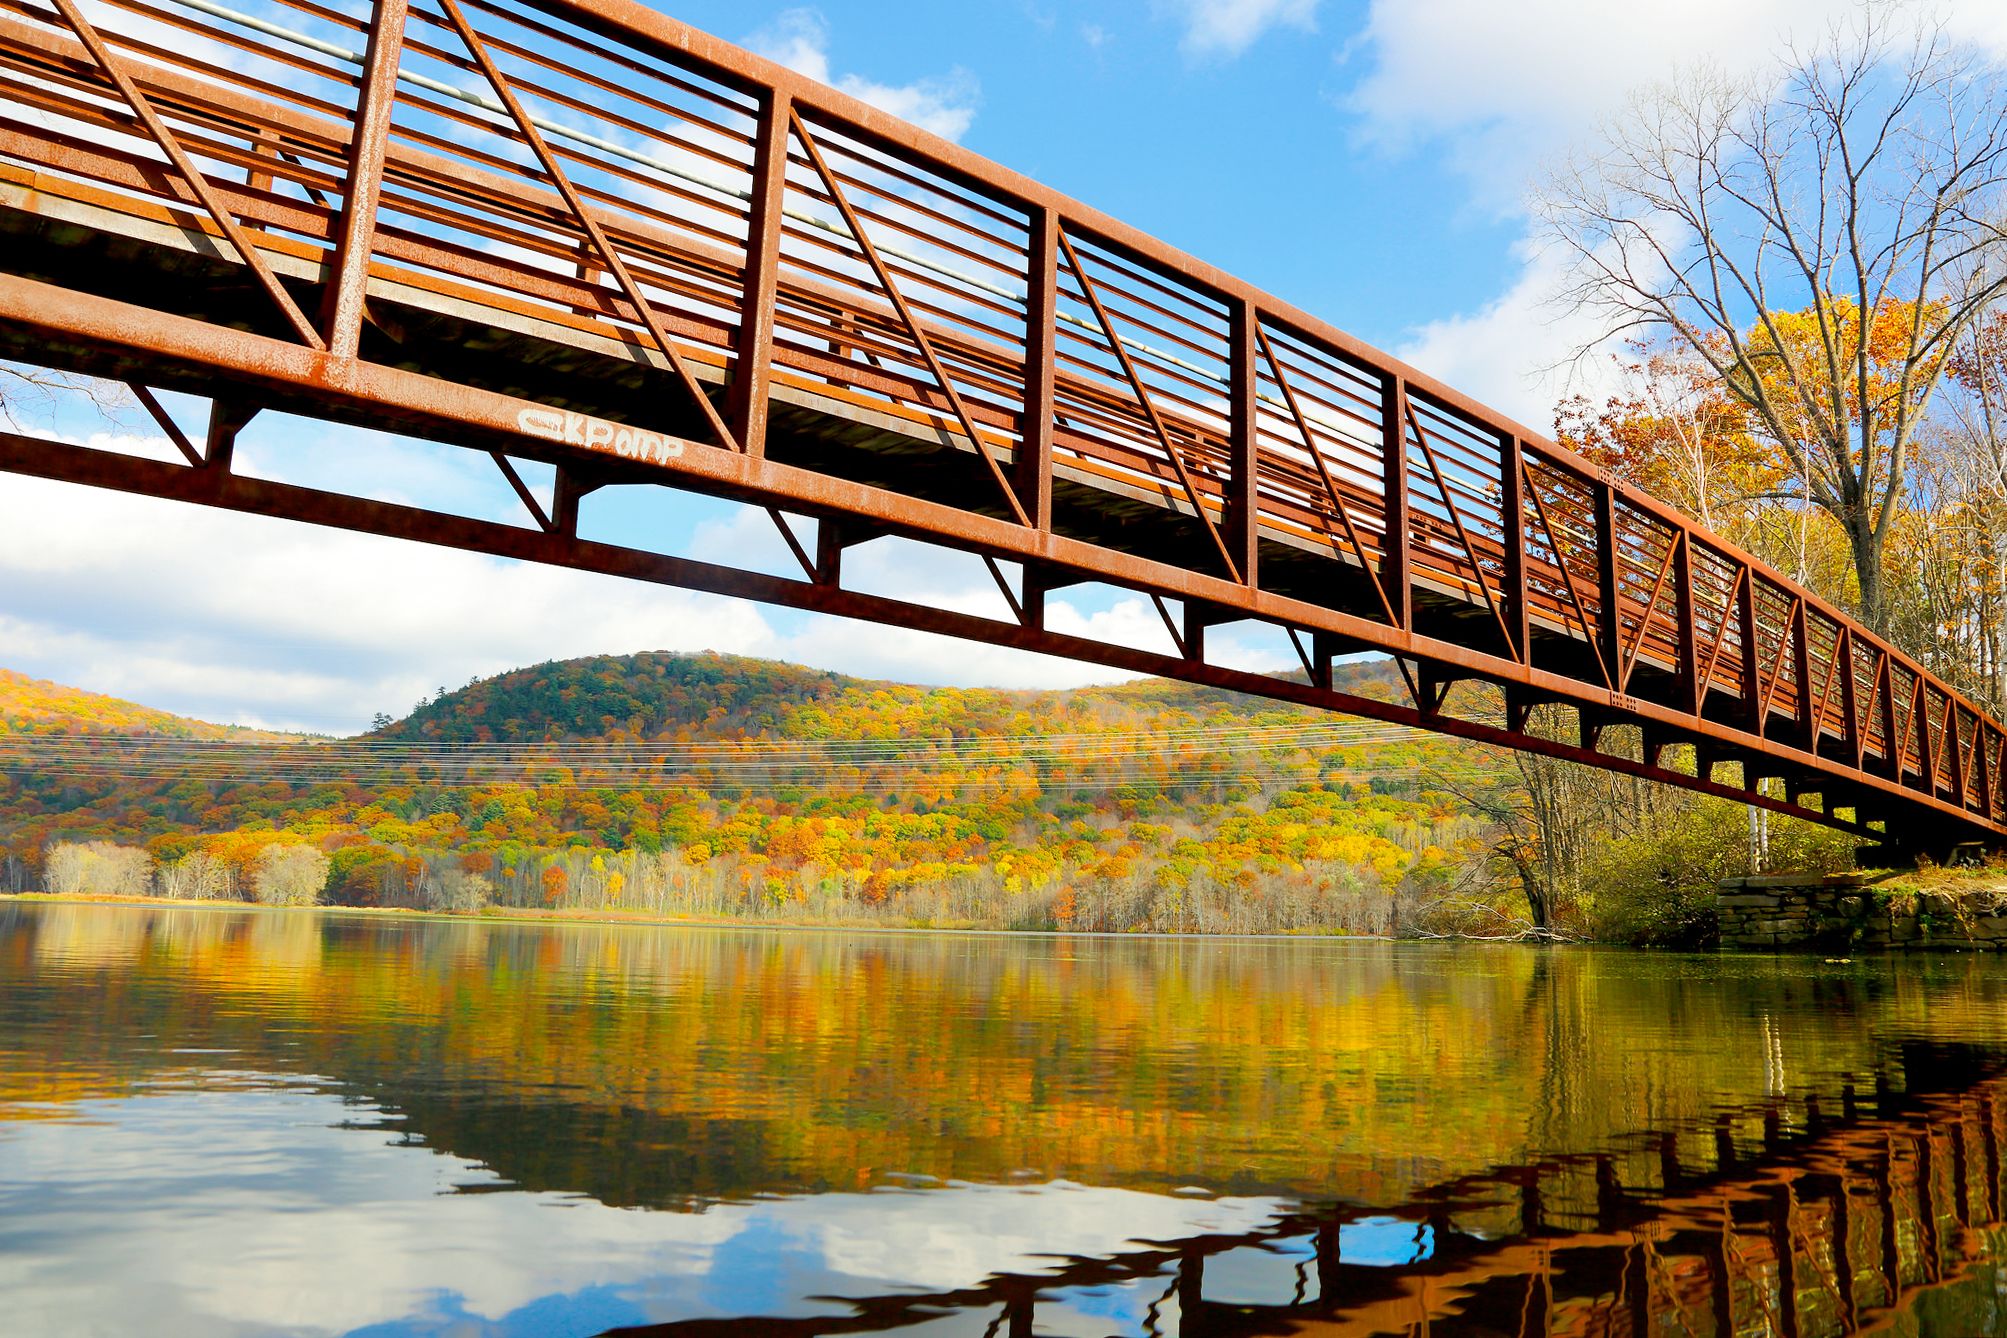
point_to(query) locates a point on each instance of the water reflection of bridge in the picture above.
(1838, 1221)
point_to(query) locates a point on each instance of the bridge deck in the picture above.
(585, 234)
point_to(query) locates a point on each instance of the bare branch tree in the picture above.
(1544, 814)
(1821, 239)
(37, 390)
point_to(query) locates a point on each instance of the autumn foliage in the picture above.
(1179, 836)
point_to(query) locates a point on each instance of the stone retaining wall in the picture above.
(1839, 912)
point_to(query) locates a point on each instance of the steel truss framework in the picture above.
(579, 232)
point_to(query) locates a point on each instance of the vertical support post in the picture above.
(1999, 771)
(1609, 578)
(1686, 672)
(1982, 757)
(1512, 514)
(1851, 733)
(1032, 591)
(1197, 618)
(1610, 1200)
(752, 350)
(1671, 1177)
(1394, 466)
(1752, 669)
(565, 494)
(1919, 714)
(829, 546)
(1800, 633)
(1892, 747)
(266, 147)
(1032, 469)
(1637, 1287)
(226, 419)
(1243, 496)
(1323, 649)
(1590, 722)
(1652, 745)
(1957, 758)
(355, 234)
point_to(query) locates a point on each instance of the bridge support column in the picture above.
(566, 493)
(1653, 744)
(1434, 687)
(226, 419)
(1323, 649)
(1590, 724)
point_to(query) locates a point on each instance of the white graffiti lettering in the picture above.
(596, 434)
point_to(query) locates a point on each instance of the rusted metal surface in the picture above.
(583, 233)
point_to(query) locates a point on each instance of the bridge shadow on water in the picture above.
(1876, 1208)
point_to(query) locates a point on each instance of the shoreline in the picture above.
(533, 916)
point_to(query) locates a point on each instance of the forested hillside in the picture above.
(36, 706)
(708, 784)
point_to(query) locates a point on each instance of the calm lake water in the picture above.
(223, 1122)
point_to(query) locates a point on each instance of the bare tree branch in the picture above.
(1821, 239)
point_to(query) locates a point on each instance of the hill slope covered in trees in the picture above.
(37, 706)
(709, 784)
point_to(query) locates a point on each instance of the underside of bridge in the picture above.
(586, 235)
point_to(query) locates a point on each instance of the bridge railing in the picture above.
(744, 235)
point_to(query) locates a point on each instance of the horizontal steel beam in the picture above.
(57, 461)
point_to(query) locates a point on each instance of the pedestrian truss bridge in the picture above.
(583, 234)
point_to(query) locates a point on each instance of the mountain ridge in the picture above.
(1137, 805)
(42, 706)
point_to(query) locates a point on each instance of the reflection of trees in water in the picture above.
(1888, 1216)
(659, 1067)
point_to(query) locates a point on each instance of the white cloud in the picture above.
(1516, 353)
(1501, 90)
(247, 620)
(944, 104)
(243, 619)
(260, 1202)
(1229, 27)
(1982, 23)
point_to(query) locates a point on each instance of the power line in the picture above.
(1197, 756)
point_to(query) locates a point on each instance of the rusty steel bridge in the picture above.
(582, 233)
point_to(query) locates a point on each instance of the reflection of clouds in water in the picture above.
(249, 1210)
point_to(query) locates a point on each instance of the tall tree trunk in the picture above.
(1865, 543)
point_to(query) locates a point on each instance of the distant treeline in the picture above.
(1393, 833)
(1298, 871)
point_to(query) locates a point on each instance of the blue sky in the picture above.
(1366, 160)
